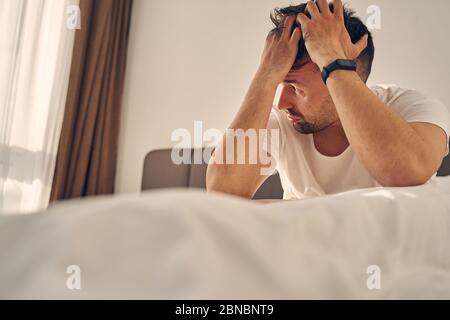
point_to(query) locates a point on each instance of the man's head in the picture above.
(304, 96)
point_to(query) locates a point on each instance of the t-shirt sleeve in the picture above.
(414, 106)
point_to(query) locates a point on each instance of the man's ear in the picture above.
(361, 70)
(361, 44)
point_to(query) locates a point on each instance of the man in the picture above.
(336, 134)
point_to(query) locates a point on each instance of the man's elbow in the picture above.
(406, 178)
(212, 181)
(219, 181)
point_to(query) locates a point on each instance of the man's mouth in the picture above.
(293, 119)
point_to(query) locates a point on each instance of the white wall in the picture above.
(194, 59)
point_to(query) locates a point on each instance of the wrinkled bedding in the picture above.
(187, 244)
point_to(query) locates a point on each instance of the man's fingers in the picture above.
(302, 20)
(338, 9)
(296, 35)
(313, 10)
(288, 23)
(324, 8)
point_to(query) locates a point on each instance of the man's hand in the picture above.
(280, 51)
(326, 37)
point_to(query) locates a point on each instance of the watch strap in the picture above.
(339, 64)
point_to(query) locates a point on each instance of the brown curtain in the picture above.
(87, 154)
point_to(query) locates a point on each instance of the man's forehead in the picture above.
(305, 59)
(304, 63)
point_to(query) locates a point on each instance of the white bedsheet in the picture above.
(191, 245)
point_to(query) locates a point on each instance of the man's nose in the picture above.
(287, 94)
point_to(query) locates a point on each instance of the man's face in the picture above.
(306, 100)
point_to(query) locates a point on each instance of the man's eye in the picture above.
(299, 90)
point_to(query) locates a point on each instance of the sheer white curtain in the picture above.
(35, 57)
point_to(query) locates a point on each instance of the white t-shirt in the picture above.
(305, 172)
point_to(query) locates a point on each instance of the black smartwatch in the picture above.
(339, 64)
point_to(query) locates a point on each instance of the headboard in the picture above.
(160, 172)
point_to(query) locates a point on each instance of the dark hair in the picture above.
(355, 27)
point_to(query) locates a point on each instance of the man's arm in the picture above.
(243, 179)
(278, 57)
(394, 152)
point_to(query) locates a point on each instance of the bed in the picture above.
(378, 243)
